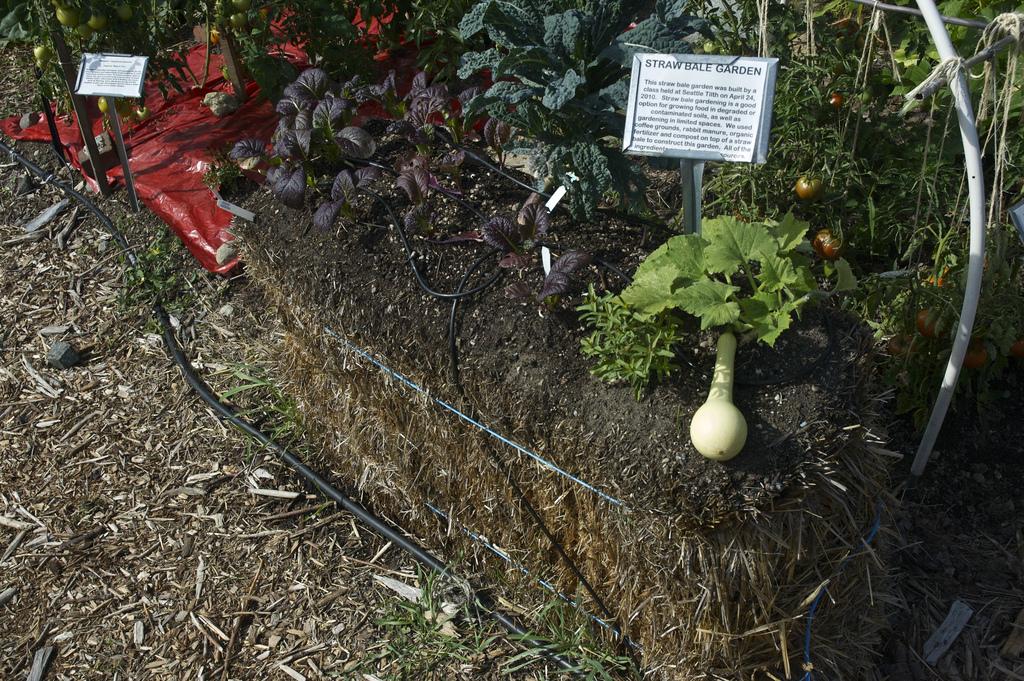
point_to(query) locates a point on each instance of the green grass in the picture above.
(431, 639)
(259, 400)
(162, 274)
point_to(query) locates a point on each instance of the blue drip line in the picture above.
(501, 438)
(521, 568)
(808, 675)
(875, 525)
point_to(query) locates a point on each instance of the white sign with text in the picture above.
(700, 106)
(111, 75)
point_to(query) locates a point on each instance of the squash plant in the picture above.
(560, 71)
(749, 277)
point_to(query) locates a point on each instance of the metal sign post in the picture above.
(122, 153)
(691, 176)
(81, 113)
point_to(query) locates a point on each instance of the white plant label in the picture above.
(700, 106)
(545, 259)
(555, 198)
(246, 215)
(111, 75)
(1017, 215)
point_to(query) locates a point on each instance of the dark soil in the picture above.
(962, 538)
(525, 358)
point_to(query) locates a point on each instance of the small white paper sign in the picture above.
(700, 106)
(111, 75)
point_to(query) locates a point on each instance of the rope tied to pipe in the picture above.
(945, 72)
(1008, 25)
(997, 104)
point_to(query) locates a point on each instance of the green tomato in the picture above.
(710, 47)
(238, 20)
(97, 22)
(242, 5)
(142, 113)
(124, 12)
(85, 30)
(67, 16)
(43, 55)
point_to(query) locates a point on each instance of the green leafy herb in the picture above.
(628, 347)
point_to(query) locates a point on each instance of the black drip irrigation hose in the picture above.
(453, 345)
(486, 163)
(411, 256)
(482, 603)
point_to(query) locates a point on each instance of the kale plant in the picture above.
(313, 131)
(560, 72)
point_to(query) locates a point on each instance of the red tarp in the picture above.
(170, 151)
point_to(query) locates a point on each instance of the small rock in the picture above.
(226, 310)
(62, 356)
(28, 120)
(24, 185)
(220, 103)
(226, 253)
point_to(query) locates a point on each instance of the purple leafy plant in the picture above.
(559, 281)
(415, 182)
(515, 239)
(344, 192)
(314, 129)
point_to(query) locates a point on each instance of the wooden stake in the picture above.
(122, 153)
(229, 49)
(81, 112)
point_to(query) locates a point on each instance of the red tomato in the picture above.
(928, 324)
(836, 100)
(941, 280)
(827, 245)
(977, 355)
(1017, 349)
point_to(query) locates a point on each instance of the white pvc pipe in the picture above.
(976, 259)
